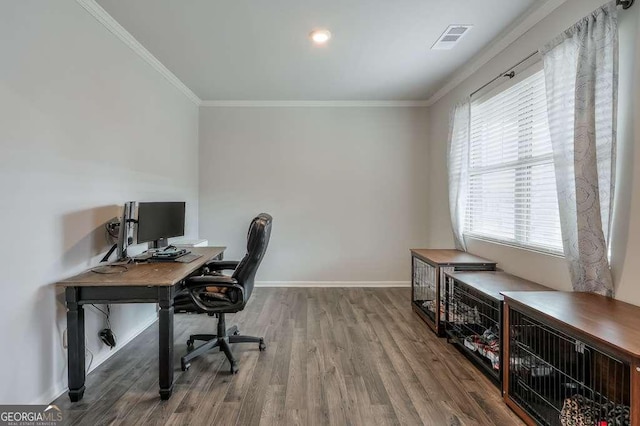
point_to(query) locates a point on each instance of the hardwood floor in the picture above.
(334, 357)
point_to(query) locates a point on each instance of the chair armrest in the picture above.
(222, 265)
(203, 281)
(196, 283)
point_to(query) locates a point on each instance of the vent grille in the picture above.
(451, 36)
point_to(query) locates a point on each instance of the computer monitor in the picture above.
(160, 220)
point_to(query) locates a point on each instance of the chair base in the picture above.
(221, 340)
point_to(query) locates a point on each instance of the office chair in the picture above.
(213, 293)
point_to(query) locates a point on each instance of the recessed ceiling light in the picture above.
(320, 36)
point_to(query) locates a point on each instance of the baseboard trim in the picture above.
(59, 390)
(334, 284)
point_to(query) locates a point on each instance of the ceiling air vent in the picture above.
(451, 36)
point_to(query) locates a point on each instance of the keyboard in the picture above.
(188, 258)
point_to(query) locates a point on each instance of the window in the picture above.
(512, 192)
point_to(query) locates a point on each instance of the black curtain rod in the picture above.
(626, 4)
(508, 73)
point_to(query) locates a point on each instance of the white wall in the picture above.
(85, 125)
(545, 269)
(347, 188)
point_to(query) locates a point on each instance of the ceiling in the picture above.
(260, 50)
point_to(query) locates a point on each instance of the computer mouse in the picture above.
(107, 336)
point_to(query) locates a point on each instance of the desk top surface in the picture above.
(605, 319)
(449, 257)
(493, 283)
(157, 274)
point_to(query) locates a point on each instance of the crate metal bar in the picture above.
(472, 322)
(560, 380)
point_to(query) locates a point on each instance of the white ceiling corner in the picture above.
(227, 67)
(511, 34)
(119, 31)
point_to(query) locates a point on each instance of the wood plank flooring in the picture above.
(334, 357)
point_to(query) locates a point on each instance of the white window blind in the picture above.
(512, 191)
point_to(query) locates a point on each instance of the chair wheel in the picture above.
(189, 344)
(236, 333)
(262, 346)
(185, 365)
(234, 368)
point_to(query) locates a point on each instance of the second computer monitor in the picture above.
(158, 221)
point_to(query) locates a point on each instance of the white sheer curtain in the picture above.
(581, 76)
(458, 168)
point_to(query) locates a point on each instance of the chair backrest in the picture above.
(257, 242)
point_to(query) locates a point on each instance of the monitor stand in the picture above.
(162, 242)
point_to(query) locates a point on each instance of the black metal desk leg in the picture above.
(166, 348)
(76, 349)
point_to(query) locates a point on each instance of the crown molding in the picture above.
(503, 41)
(313, 104)
(118, 30)
(517, 30)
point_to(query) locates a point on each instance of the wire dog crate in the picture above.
(560, 373)
(427, 282)
(424, 288)
(473, 318)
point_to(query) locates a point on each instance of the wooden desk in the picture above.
(141, 283)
